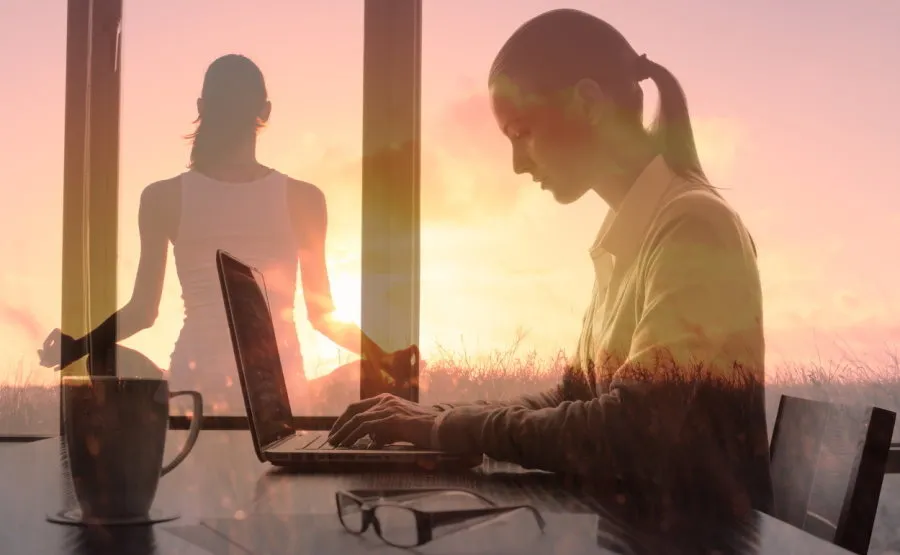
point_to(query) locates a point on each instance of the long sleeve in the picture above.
(542, 399)
(690, 381)
(534, 401)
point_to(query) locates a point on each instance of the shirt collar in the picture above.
(623, 230)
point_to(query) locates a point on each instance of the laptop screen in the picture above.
(256, 350)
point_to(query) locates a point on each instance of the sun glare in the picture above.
(347, 293)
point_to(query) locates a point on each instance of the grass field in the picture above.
(34, 410)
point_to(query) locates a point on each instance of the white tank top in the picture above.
(250, 220)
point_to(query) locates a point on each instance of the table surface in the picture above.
(223, 478)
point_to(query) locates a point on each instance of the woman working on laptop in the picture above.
(665, 395)
(226, 200)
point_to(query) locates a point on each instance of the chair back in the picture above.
(828, 462)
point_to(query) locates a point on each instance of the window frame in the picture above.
(391, 225)
(390, 183)
(91, 169)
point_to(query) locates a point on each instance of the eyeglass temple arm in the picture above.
(450, 517)
(414, 492)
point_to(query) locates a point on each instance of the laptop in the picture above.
(266, 398)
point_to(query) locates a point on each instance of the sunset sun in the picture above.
(346, 292)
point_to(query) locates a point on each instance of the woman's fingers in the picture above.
(358, 426)
(354, 409)
(49, 353)
(367, 428)
(53, 339)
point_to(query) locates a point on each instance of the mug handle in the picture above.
(193, 434)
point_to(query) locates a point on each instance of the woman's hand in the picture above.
(385, 419)
(59, 350)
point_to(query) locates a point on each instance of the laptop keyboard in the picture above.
(318, 441)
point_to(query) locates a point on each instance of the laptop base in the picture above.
(398, 456)
(371, 462)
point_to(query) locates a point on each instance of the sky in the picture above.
(794, 111)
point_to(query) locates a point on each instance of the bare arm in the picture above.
(141, 310)
(309, 212)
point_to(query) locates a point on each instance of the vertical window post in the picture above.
(91, 165)
(390, 183)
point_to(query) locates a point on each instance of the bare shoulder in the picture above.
(161, 205)
(162, 192)
(306, 203)
(308, 212)
(303, 193)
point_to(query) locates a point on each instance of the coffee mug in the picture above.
(115, 435)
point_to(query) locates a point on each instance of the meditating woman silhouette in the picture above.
(226, 200)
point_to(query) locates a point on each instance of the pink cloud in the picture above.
(872, 342)
(23, 320)
(466, 166)
(467, 127)
(466, 162)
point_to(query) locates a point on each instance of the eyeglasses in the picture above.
(402, 526)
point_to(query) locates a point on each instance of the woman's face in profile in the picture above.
(551, 139)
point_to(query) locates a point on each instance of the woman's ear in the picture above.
(266, 111)
(591, 100)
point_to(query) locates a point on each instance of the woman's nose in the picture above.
(521, 162)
